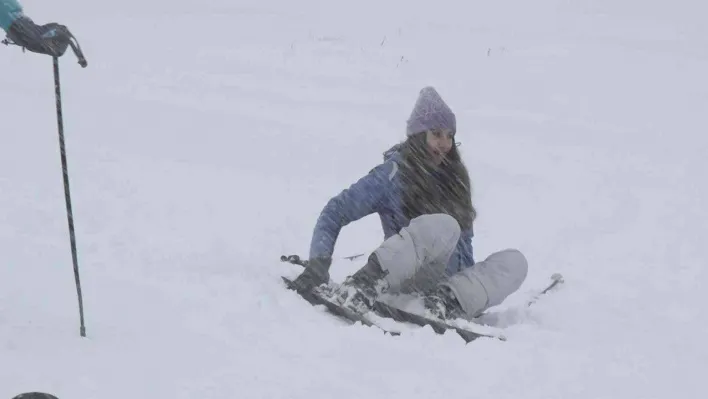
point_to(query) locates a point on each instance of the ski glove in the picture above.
(52, 39)
(315, 274)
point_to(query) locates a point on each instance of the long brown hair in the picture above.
(446, 189)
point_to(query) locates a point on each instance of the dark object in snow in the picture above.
(35, 395)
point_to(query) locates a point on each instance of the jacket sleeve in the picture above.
(10, 10)
(359, 200)
(465, 248)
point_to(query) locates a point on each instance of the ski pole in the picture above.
(67, 194)
(296, 260)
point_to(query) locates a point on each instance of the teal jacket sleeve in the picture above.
(10, 10)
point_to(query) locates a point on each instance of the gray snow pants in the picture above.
(416, 259)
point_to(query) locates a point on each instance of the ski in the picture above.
(439, 326)
(349, 315)
(462, 327)
(381, 309)
(384, 310)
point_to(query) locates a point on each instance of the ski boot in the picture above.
(360, 290)
(443, 305)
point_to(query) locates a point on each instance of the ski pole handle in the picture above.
(294, 259)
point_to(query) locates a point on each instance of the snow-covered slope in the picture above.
(205, 137)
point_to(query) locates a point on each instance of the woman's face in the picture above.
(439, 144)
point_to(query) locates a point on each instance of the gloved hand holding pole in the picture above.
(51, 39)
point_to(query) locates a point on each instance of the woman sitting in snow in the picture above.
(422, 194)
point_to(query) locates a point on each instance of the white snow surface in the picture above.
(205, 137)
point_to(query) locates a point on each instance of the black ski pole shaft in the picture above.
(67, 194)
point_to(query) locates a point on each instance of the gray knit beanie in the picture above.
(430, 112)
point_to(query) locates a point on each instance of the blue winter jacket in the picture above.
(10, 10)
(377, 192)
